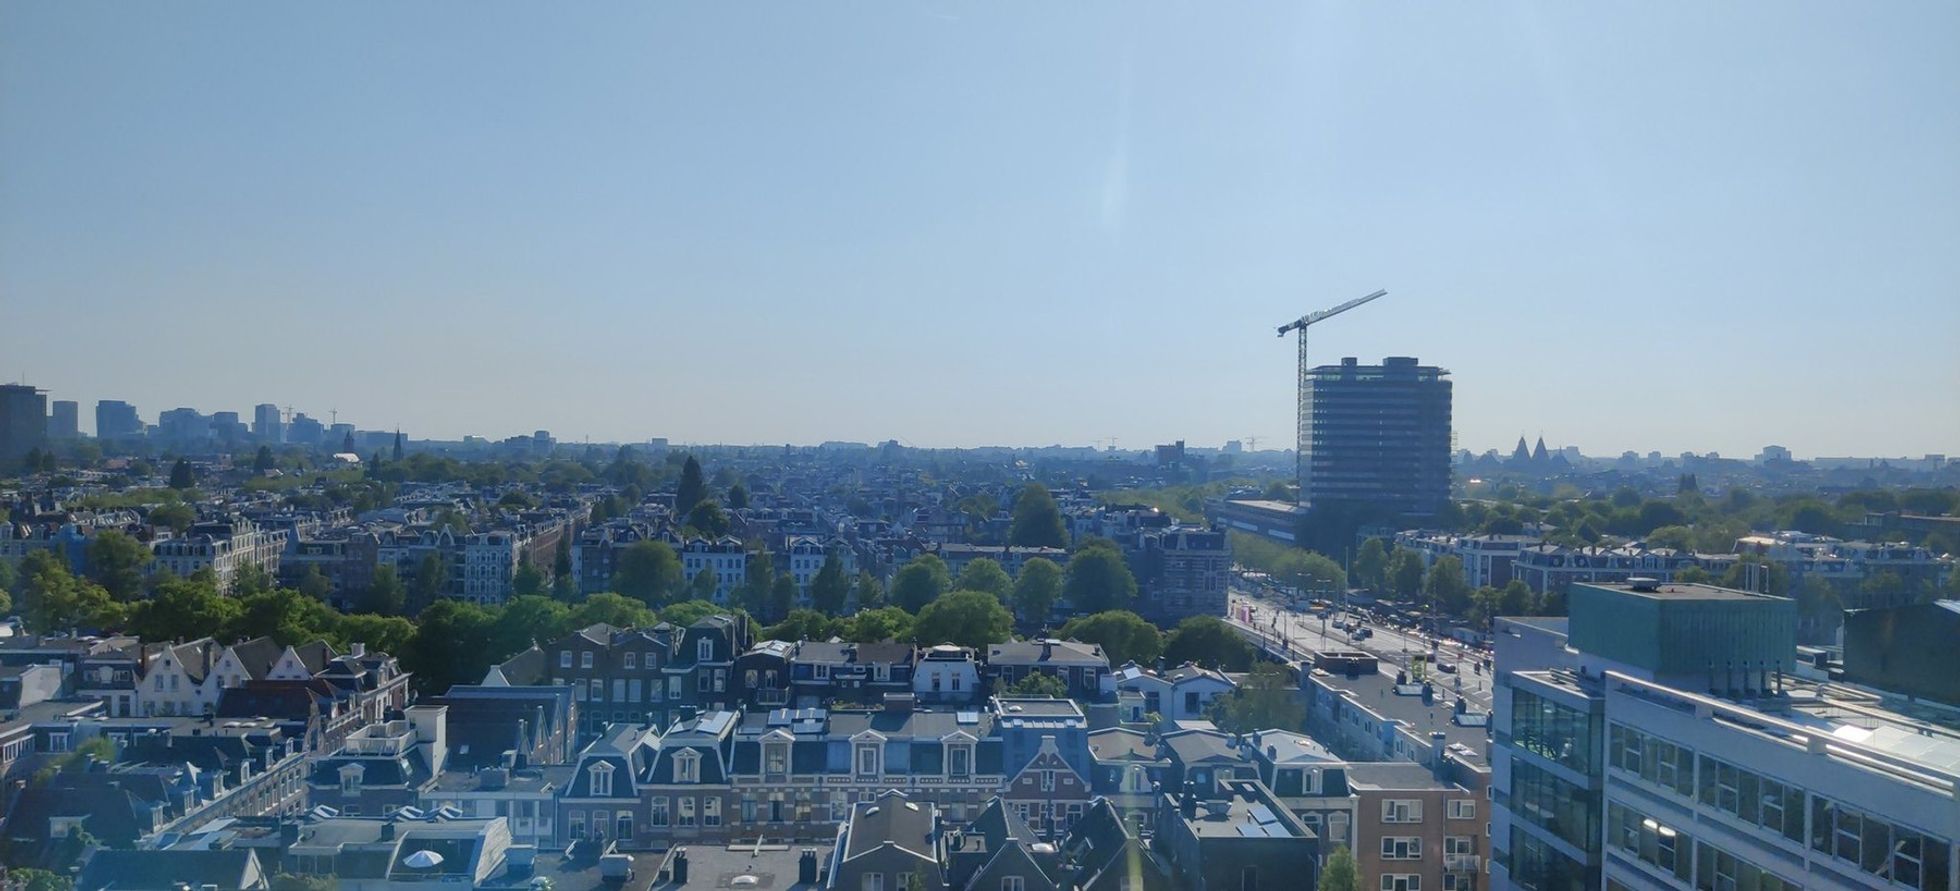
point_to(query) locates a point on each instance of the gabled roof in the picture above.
(257, 655)
(891, 819)
(127, 870)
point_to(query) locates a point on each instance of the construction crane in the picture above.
(1300, 324)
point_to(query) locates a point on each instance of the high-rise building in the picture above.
(1376, 435)
(23, 420)
(266, 426)
(1665, 736)
(64, 419)
(116, 419)
(184, 427)
(306, 431)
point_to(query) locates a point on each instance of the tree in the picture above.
(805, 624)
(919, 582)
(1265, 700)
(1515, 599)
(183, 609)
(283, 614)
(1037, 521)
(1371, 565)
(561, 559)
(759, 582)
(1693, 575)
(738, 497)
(118, 563)
(29, 879)
(1405, 573)
(1208, 641)
(1037, 590)
(251, 578)
(315, 584)
(982, 574)
(387, 634)
(50, 599)
(967, 618)
(782, 597)
(704, 585)
(526, 619)
(263, 462)
(1678, 537)
(708, 519)
(1883, 588)
(286, 881)
(181, 475)
(176, 515)
(529, 580)
(1123, 635)
(688, 612)
(1039, 684)
(1098, 579)
(1339, 874)
(692, 488)
(517, 500)
(1446, 586)
(881, 624)
(385, 595)
(871, 592)
(648, 571)
(829, 588)
(1818, 605)
(453, 644)
(431, 581)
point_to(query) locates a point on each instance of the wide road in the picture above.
(1303, 632)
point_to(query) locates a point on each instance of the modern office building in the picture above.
(64, 419)
(266, 425)
(1658, 738)
(23, 420)
(1375, 436)
(116, 419)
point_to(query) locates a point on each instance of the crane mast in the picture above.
(1300, 408)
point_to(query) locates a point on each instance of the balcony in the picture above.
(1462, 862)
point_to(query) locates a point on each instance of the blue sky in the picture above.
(1654, 226)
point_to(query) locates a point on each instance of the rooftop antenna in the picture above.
(1300, 417)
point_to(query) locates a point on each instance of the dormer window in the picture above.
(585, 659)
(867, 760)
(959, 761)
(704, 650)
(632, 659)
(602, 776)
(687, 766)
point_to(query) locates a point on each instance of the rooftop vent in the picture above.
(1643, 583)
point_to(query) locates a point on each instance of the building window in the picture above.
(686, 811)
(564, 658)
(623, 825)
(1401, 882)
(776, 759)
(1013, 883)
(598, 690)
(704, 650)
(585, 659)
(711, 811)
(687, 766)
(1463, 809)
(578, 824)
(1401, 847)
(632, 659)
(961, 762)
(873, 881)
(659, 811)
(1402, 810)
(867, 761)
(601, 775)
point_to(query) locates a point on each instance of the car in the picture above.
(1446, 667)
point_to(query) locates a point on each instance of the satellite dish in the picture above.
(424, 859)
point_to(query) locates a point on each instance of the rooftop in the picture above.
(1379, 693)
(1692, 591)
(1246, 810)
(740, 865)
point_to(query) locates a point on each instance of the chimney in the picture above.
(680, 866)
(898, 703)
(806, 867)
(1189, 805)
(388, 830)
(357, 649)
(1047, 648)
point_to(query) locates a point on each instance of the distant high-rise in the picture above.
(266, 426)
(1376, 436)
(304, 430)
(23, 420)
(64, 419)
(116, 419)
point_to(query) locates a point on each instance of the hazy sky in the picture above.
(1653, 226)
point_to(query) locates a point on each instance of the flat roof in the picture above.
(1377, 693)
(1681, 591)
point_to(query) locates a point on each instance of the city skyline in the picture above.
(1619, 231)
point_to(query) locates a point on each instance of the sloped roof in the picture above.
(126, 870)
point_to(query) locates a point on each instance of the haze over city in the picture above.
(1690, 228)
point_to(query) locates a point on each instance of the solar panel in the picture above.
(1262, 815)
(966, 717)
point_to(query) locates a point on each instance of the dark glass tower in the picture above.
(1375, 436)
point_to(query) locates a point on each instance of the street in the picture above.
(1302, 633)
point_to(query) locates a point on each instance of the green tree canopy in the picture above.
(1446, 586)
(806, 624)
(693, 488)
(1371, 565)
(529, 580)
(782, 597)
(870, 592)
(174, 515)
(1267, 699)
(181, 475)
(648, 571)
(118, 563)
(1208, 641)
(829, 589)
(454, 643)
(1039, 684)
(967, 618)
(1123, 635)
(738, 497)
(919, 582)
(1340, 873)
(983, 574)
(183, 609)
(431, 581)
(1037, 590)
(263, 461)
(880, 624)
(1037, 522)
(1405, 573)
(385, 595)
(709, 519)
(49, 598)
(1099, 580)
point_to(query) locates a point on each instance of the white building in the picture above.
(221, 548)
(1182, 694)
(724, 557)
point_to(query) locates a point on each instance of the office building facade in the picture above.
(23, 420)
(1375, 436)
(116, 419)
(64, 419)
